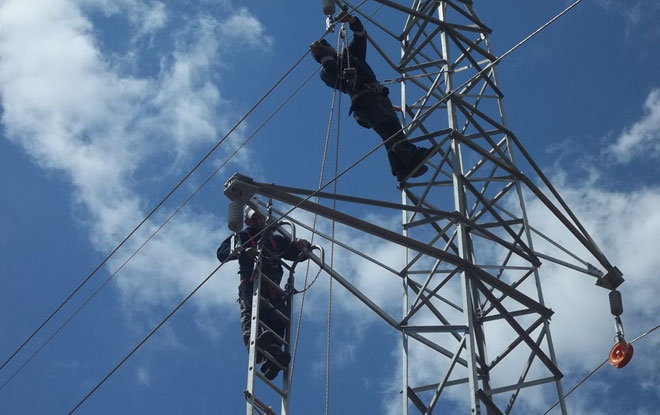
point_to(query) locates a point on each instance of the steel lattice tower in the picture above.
(473, 306)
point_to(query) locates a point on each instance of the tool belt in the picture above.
(366, 89)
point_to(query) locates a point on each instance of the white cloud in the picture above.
(243, 27)
(77, 111)
(642, 139)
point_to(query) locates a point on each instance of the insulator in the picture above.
(328, 7)
(616, 303)
(235, 216)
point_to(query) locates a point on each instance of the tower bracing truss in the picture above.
(475, 328)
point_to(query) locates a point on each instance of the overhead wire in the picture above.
(158, 205)
(314, 222)
(206, 279)
(646, 333)
(332, 234)
(176, 212)
(147, 337)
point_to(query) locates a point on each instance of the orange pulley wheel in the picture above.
(621, 354)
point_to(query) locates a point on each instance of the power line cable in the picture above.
(597, 368)
(179, 184)
(147, 337)
(176, 212)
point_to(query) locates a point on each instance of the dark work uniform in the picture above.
(276, 247)
(370, 104)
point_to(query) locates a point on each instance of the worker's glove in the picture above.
(345, 17)
(320, 49)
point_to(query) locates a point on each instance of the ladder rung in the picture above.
(279, 339)
(274, 309)
(256, 402)
(271, 358)
(271, 284)
(270, 384)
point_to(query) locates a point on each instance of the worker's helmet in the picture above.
(248, 212)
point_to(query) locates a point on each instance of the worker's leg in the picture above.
(376, 111)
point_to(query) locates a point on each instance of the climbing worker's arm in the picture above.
(329, 72)
(225, 250)
(358, 46)
(293, 249)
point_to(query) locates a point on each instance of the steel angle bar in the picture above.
(411, 23)
(410, 20)
(470, 16)
(491, 179)
(453, 215)
(421, 300)
(355, 291)
(445, 379)
(435, 329)
(480, 71)
(420, 114)
(441, 231)
(521, 332)
(429, 136)
(419, 255)
(433, 386)
(566, 251)
(416, 304)
(504, 158)
(545, 200)
(444, 25)
(235, 184)
(383, 54)
(491, 407)
(340, 244)
(510, 222)
(519, 386)
(482, 162)
(516, 313)
(428, 220)
(426, 302)
(417, 48)
(433, 293)
(494, 202)
(521, 380)
(530, 256)
(417, 401)
(438, 63)
(504, 267)
(515, 343)
(503, 296)
(574, 267)
(489, 132)
(477, 99)
(593, 248)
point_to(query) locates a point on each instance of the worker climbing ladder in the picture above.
(264, 361)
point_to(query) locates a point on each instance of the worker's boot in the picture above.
(414, 169)
(264, 342)
(269, 368)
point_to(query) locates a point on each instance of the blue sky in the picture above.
(105, 105)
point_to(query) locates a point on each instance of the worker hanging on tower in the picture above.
(275, 248)
(370, 105)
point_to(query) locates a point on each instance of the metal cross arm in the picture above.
(240, 187)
